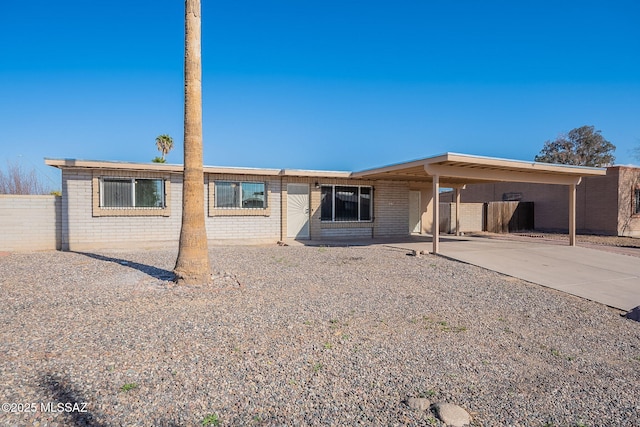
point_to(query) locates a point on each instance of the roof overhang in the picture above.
(453, 170)
(173, 168)
(459, 169)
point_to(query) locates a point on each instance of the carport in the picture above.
(452, 170)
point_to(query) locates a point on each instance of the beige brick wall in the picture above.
(30, 222)
(391, 209)
(252, 225)
(326, 230)
(471, 217)
(82, 230)
(81, 226)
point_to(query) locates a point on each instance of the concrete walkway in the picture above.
(597, 275)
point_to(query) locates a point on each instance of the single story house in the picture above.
(608, 204)
(118, 204)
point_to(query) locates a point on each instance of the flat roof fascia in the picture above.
(389, 168)
(315, 173)
(520, 165)
(99, 164)
(173, 168)
(153, 167)
(469, 161)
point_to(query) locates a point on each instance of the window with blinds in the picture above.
(132, 193)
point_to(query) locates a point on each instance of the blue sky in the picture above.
(337, 85)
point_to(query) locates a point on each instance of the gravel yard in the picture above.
(304, 336)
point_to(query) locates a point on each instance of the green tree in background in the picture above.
(583, 146)
(165, 144)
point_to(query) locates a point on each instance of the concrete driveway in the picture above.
(597, 275)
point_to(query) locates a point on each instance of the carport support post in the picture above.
(435, 226)
(457, 192)
(572, 215)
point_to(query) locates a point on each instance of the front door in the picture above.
(415, 213)
(298, 211)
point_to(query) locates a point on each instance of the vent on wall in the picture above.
(511, 197)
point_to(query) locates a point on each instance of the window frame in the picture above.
(99, 210)
(636, 202)
(265, 202)
(133, 182)
(213, 179)
(359, 197)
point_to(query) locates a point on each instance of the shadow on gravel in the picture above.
(64, 393)
(155, 272)
(634, 314)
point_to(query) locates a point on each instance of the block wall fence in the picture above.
(30, 222)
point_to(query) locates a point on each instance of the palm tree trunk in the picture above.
(192, 265)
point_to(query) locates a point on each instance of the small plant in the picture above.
(428, 393)
(307, 322)
(328, 346)
(128, 387)
(445, 327)
(555, 352)
(211, 420)
(317, 367)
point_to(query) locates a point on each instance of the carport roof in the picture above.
(458, 169)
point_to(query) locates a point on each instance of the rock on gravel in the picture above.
(419, 403)
(452, 415)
